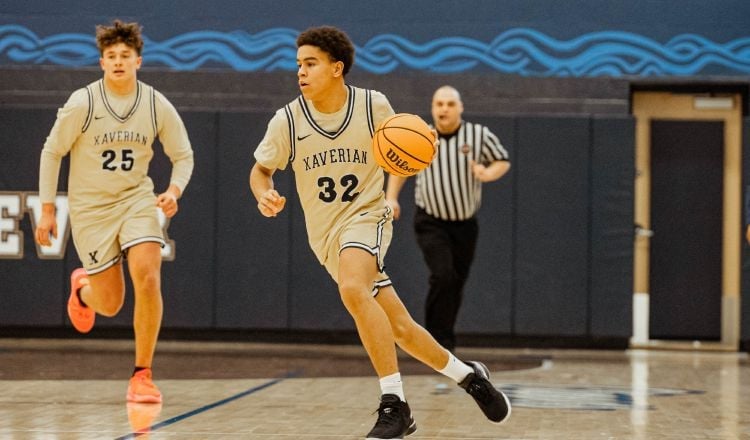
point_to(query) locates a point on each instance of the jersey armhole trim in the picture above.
(290, 123)
(90, 110)
(153, 113)
(368, 101)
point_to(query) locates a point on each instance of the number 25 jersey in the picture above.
(109, 138)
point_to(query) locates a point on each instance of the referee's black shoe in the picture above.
(493, 403)
(394, 419)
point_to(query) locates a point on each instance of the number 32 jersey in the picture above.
(331, 154)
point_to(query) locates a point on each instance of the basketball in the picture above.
(403, 144)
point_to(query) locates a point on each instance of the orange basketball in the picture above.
(403, 144)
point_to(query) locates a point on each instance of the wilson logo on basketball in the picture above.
(399, 163)
(403, 144)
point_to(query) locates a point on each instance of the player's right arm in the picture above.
(272, 153)
(65, 131)
(270, 203)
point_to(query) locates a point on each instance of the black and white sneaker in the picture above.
(493, 403)
(394, 419)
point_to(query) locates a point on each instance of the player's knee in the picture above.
(146, 278)
(353, 296)
(111, 305)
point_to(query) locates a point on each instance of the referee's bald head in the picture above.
(447, 91)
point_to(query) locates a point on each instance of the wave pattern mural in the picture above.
(520, 51)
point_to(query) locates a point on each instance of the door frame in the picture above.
(648, 105)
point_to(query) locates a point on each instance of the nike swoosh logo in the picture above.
(299, 138)
(98, 117)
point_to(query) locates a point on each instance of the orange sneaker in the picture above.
(141, 417)
(81, 316)
(141, 388)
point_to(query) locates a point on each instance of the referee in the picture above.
(448, 194)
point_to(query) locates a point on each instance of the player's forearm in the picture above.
(49, 172)
(175, 191)
(393, 188)
(182, 171)
(261, 180)
(177, 147)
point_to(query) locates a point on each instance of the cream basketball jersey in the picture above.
(331, 155)
(109, 138)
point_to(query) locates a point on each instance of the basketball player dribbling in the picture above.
(326, 136)
(108, 128)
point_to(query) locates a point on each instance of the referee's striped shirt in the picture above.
(447, 188)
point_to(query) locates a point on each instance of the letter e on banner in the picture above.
(11, 237)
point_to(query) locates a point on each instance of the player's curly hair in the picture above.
(332, 41)
(119, 32)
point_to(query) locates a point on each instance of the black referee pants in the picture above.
(448, 249)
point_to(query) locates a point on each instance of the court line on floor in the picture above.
(210, 406)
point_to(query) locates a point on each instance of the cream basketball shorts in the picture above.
(103, 236)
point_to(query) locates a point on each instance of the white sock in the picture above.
(392, 385)
(455, 369)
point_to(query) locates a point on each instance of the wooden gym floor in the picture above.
(75, 389)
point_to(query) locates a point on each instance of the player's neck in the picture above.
(333, 100)
(120, 87)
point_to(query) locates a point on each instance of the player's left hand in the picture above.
(168, 203)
